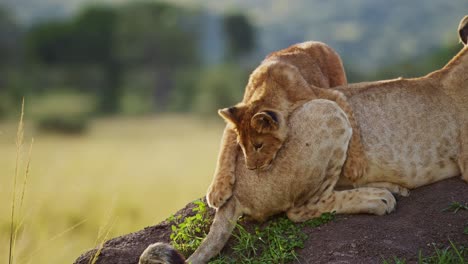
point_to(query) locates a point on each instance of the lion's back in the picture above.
(319, 64)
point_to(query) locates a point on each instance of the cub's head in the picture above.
(463, 30)
(260, 121)
(260, 133)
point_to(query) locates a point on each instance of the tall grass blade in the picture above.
(23, 191)
(108, 228)
(104, 231)
(26, 175)
(460, 257)
(19, 144)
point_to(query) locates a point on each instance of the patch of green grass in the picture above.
(187, 234)
(452, 254)
(274, 242)
(456, 206)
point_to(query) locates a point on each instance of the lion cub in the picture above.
(272, 93)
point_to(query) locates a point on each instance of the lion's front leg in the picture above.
(392, 187)
(220, 189)
(355, 201)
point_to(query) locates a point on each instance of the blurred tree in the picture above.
(239, 35)
(96, 25)
(9, 38)
(87, 40)
(10, 58)
(418, 67)
(219, 87)
(160, 37)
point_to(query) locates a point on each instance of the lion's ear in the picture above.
(463, 30)
(265, 121)
(230, 115)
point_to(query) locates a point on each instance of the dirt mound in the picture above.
(419, 223)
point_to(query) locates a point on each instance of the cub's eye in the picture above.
(257, 146)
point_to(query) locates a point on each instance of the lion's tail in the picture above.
(220, 231)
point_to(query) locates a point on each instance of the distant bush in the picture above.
(72, 125)
(219, 87)
(206, 90)
(185, 90)
(3, 106)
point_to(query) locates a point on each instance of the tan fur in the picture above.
(414, 132)
(283, 81)
(300, 182)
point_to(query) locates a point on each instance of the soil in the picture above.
(418, 224)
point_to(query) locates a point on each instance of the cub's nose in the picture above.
(266, 166)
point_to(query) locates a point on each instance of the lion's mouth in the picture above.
(266, 166)
(262, 168)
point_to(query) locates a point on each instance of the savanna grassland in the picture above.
(122, 175)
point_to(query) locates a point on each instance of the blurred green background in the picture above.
(121, 97)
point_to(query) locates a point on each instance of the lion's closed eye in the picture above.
(257, 146)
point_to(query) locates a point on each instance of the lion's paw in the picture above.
(401, 191)
(382, 202)
(218, 193)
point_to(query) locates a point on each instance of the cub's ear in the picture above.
(230, 114)
(463, 30)
(265, 121)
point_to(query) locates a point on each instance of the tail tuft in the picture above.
(161, 253)
(463, 30)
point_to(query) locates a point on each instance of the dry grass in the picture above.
(149, 166)
(16, 219)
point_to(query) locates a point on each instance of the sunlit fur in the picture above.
(414, 131)
(283, 81)
(300, 181)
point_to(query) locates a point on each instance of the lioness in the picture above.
(300, 182)
(435, 105)
(417, 125)
(269, 101)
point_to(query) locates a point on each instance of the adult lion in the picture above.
(414, 132)
(300, 182)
